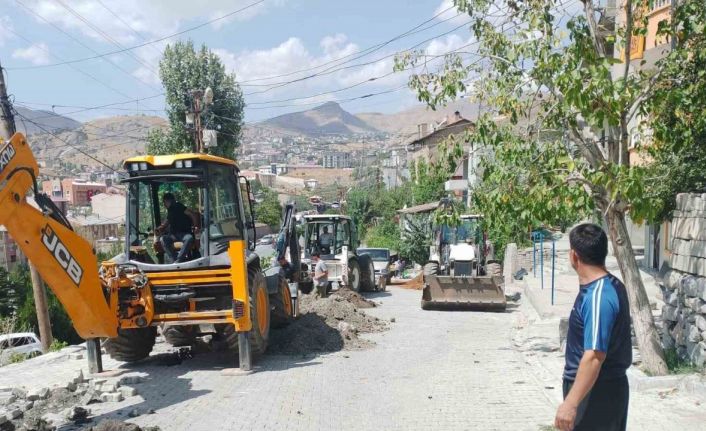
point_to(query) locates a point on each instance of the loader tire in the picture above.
(494, 269)
(179, 336)
(281, 305)
(354, 275)
(367, 273)
(259, 301)
(431, 268)
(131, 345)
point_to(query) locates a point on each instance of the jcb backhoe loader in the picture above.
(460, 275)
(218, 283)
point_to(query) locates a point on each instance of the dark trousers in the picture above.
(605, 408)
(168, 241)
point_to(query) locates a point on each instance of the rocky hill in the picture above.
(110, 140)
(47, 120)
(326, 119)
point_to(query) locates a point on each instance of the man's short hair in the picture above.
(316, 253)
(590, 243)
(168, 197)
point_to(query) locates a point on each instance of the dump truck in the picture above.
(218, 285)
(334, 237)
(459, 274)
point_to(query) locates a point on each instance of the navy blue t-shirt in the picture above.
(600, 320)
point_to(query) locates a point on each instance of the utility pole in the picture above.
(7, 129)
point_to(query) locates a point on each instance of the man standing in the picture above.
(320, 274)
(598, 344)
(286, 269)
(177, 227)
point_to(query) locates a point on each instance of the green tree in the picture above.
(21, 305)
(558, 72)
(181, 70)
(512, 204)
(385, 234)
(268, 210)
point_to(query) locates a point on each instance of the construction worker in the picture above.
(320, 274)
(286, 269)
(177, 227)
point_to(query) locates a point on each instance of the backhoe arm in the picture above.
(64, 260)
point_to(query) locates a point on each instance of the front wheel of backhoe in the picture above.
(131, 345)
(259, 315)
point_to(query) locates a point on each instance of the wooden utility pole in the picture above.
(7, 129)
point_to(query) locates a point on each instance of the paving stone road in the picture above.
(431, 370)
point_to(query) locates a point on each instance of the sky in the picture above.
(258, 41)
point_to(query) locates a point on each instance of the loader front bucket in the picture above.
(463, 293)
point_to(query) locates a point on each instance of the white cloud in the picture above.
(146, 18)
(36, 54)
(447, 10)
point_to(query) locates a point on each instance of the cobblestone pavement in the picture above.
(654, 409)
(431, 370)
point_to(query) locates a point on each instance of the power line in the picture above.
(150, 42)
(126, 24)
(334, 69)
(104, 35)
(371, 49)
(78, 41)
(65, 141)
(371, 79)
(105, 105)
(71, 65)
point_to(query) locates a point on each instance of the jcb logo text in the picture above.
(61, 254)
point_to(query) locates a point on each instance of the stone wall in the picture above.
(683, 281)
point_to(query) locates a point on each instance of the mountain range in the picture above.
(112, 139)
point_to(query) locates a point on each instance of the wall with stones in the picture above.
(683, 281)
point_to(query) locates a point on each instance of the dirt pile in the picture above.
(327, 325)
(116, 425)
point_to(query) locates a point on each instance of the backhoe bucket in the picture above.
(463, 293)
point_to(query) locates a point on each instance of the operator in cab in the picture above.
(325, 241)
(178, 227)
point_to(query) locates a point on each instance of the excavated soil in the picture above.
(116, 425)
(327, 325)
(416, 283)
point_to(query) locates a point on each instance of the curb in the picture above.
(531, 295)
(691, 384)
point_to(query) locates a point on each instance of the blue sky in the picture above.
(270, 38)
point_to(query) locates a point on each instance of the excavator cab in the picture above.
(207, 188)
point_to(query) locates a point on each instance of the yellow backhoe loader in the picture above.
(216, 283)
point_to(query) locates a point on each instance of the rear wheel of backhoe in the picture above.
(131, 345)
(281, 305)
(494, 269)
(259, 315)
(354, 275)
(179, 336)
(367, 273)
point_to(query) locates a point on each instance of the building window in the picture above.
(658, 4)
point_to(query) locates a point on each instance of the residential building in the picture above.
(109, 206)
(337, 160)
(645, 51)
(94, 228)
(425, 147)
(10, 254)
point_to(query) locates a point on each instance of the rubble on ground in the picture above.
(67, 407)
(327, 325)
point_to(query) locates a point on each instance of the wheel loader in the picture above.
(217, 287)
(460, 273)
